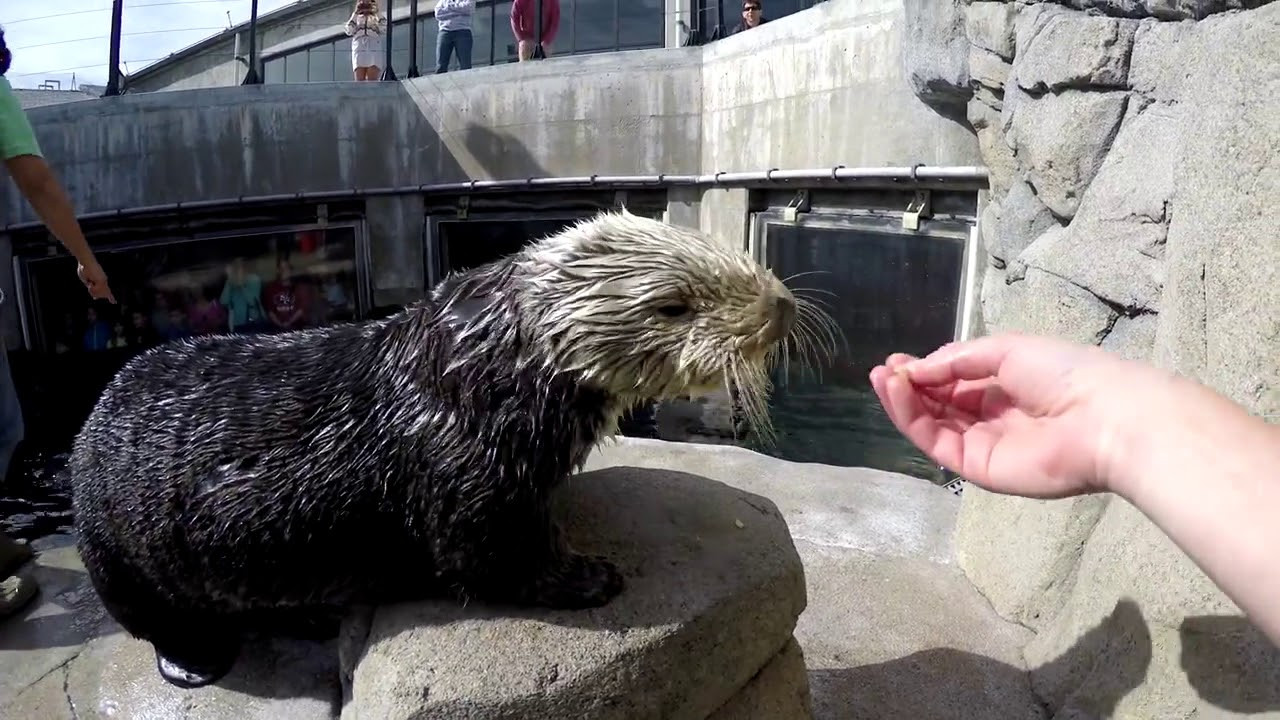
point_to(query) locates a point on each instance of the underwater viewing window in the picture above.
(452, 243)
(167, 288)
(888, 289)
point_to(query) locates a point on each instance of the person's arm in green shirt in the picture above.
(37, 183)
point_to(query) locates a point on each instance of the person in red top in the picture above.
(284, 301)
(524, 20)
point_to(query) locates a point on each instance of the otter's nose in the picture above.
(783, 306)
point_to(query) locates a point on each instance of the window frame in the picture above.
(953, 228)
(34, 325)
(964, 228)
(434, 256)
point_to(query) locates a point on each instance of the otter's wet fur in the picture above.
(226, 478)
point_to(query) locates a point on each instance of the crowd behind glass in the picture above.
(251, 284)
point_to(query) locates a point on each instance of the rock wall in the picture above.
(1134, 147)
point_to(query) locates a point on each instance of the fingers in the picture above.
(971, 360)
(940, 439)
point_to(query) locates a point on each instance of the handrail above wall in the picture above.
(966, 175)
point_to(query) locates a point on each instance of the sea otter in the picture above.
(225, 478)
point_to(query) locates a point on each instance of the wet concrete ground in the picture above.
(63, 658)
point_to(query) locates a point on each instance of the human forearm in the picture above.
(1208, 474)
(38, 184)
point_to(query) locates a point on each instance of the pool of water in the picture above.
(846, 426)
(57, 392)
(34, 501)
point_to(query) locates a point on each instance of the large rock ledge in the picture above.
(707, 627)
(714, 587)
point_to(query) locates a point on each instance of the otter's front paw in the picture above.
(579, 581)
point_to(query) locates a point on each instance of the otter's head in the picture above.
(646, 310)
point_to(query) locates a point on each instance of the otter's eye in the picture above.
(674, 310)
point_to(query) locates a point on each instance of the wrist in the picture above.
(1185, 431)
(1159, 412)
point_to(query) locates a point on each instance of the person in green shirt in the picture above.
(35, 180)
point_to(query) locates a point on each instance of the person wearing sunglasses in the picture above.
(752, 16)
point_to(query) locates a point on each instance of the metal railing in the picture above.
(708, 21)
(974, 177)
(253, 75)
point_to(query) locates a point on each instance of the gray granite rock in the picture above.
(1133, 337)
(1220, 315)
(1165, 10)
(1040, 303)
(936, 54)
(1115, 245)
(1059, 50)
(1021, 220)
(990, 26)
(984, 116)
(1158, 66)
(987, 68)
(779, 690)
(714, 587)
(1060, 140)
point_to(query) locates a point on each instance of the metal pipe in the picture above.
(251, 76)
(113, 55)
(389, 73)
(413, 38)
(965, 174)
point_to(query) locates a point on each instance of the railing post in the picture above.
(113, 68)
(251, 76)
(387, 72)
(537, 53)
(413, 38)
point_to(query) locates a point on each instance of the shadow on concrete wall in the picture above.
(501, 155)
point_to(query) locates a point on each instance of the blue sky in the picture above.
(71, 43)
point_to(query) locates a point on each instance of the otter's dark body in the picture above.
(224, 477)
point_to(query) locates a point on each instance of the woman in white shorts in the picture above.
(366, 27)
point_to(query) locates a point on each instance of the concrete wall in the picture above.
(836, 69)
(1135, 163)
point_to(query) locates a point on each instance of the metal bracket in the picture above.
(916, 209)
(464, 206)
(322, 214)
(798, 204)
(620, 199)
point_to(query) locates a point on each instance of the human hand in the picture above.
(1018, 414)
(95, 280)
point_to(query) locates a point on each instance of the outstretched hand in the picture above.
(95, 281)
(1017, 414)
